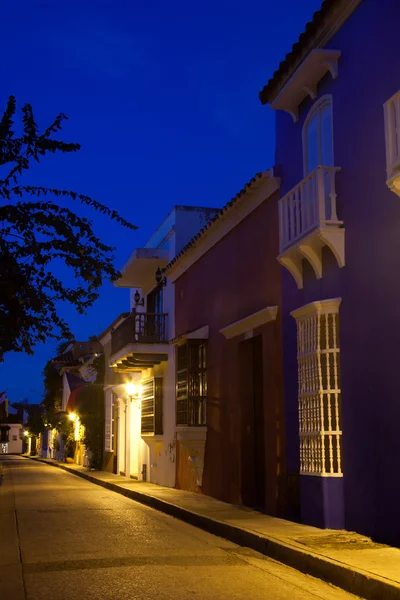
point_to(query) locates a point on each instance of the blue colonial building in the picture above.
(337, 102)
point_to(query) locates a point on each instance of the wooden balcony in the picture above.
(308, 221)
(135, 344)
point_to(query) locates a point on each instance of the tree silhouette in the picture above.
(36, 232)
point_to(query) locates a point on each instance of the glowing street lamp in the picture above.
(134, 391)
(72, 416)
(26, 433)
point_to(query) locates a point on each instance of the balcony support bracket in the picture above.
(311, 249)
(308, 221)
(334, 239)
(314, 256)
(293, 263)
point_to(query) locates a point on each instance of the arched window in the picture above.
(318, 136)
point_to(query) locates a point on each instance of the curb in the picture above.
(356, 581)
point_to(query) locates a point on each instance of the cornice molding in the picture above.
(202, 333)
(319, 40)
(262, 317)
(318, 307)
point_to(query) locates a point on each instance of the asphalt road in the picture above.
(64, 538)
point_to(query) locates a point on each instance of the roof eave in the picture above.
(254, 185)
(324, 24)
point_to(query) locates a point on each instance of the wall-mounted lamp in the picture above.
(26, 433)
(138, 300)
(72, 416)
(134, 391)
(159, 277)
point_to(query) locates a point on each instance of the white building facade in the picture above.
(140, 423)
(12, 443)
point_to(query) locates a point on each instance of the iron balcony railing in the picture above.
(140, 328)
(308, 206)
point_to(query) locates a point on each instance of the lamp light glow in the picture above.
(72, 416)
(131, 389)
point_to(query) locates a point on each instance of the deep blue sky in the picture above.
(163, 97)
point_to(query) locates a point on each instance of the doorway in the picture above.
(154, 309)
(252, 453)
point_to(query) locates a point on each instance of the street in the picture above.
(62, 537)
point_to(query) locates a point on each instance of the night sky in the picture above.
(163, 97)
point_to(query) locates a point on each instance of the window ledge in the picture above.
(262, 317)
(202, 333)
(394, 184)
(318, 307)
(194, 433)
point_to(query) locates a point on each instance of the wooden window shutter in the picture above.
(152, 406)
(158, 406)
(182, 384)
(191, 383)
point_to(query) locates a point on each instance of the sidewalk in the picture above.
(347, 560)
(11, 579)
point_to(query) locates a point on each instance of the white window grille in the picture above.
(112, 440)
(391, 110)
(109, 422)
(319, 393)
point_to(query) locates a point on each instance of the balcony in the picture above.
(308, 221)
(140, 342)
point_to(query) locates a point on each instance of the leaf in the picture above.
(36, 233)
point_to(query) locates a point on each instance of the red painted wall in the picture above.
(237, 277)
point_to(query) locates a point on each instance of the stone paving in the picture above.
(64, 538)
(346, 559)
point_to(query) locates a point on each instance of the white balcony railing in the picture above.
(308, 206)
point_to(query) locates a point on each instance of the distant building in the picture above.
(140, 404)
(75, 368)
(11, 428)
(114, 388)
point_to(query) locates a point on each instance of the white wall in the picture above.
(158, 452)
(65, 391)
(14, 445)
(121, 435)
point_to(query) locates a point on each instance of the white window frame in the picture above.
(109, 422)
(327, 99)
(319, 391)
(391, 112)
(112, 422)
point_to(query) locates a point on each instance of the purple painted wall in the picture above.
(369, 284)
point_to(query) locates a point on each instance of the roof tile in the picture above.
(304, 43)
(223, 210)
